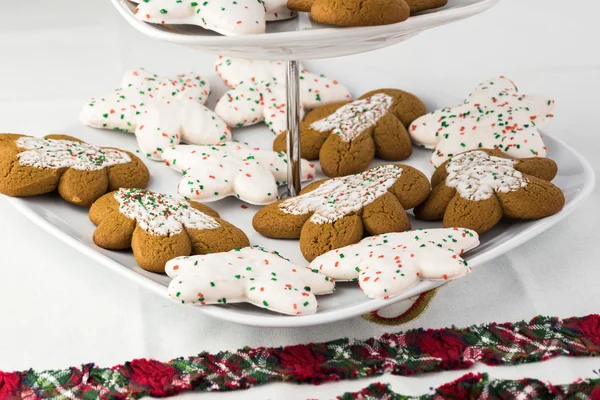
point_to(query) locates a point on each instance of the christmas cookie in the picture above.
(258, 92)
(354, 12)
(494, 116)
(338, 212)
(248, 275)
(161, 112)
(422, 5)
(240, 17)
(478, 188)
(231, 169)
(81, 172)
(386, 265)
(346, 137)
(159, 227)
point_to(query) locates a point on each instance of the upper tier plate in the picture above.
(302, 38)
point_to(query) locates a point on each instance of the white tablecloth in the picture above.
(60, 309)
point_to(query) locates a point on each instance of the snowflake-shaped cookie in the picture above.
(477, 188)
(81, 172)
(248, 275)
(346, 137)
(337, 212)
(494, 116)
(387, 265)
(231, 169)
(258, 92)
(159, 227)
(161, 112)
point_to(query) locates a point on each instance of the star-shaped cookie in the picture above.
(159, 227)
(477, 188)
(248, 275)
(258, 92)
(494, 116)
(231, 169)
(386, 265)
(334, 213)
(161, 112)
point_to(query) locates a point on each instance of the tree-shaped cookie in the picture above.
(159, 227)
(346, 137)
(354, 12)
(386, 265)
(476, 189)
(81, 172)
(161, 112)
(248, 275)
(226, 169)
(494, 116)
(338, 212)
(233, 18)
(258, 92)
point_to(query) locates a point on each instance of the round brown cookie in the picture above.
(159, 227)
(476, 189)
(337, 212)
(354, 12)
(81, 172)
(347, 136)
(422, 5)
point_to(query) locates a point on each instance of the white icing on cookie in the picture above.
(161, 214)
(54, 154)
(231, 169)
(476, 175)
(161, 111)
(387, 265)
(258, 92)
(277, 10)
(352, 119)
(494, 116)
(248, 275)
(234, 18)
(338, 197)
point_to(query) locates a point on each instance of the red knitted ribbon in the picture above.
(414, 352)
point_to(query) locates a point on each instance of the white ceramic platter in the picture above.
(302, 38)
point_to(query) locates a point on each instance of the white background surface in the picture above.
(61, 309)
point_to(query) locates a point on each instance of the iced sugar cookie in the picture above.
(161, 112)
(159, 227)
(386, 265)
(258, 92)
(81, 172)
(477, 188)
(346, 137)
(231, 169)
(248, 275)
(337, 212)
(494, 116)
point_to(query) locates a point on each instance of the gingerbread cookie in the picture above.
(81, 172)
(226, 169)
(386, 265)
(346, 137)
(159, 227)
(258, 92)
(161, 112)
(476, 189)
(248, 275)
(353, 12)
(240, 17)
(494, 116)
(338, 212)
(423, 5)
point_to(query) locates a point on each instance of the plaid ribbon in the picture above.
(413, 352)
(479, 386)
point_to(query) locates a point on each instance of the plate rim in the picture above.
(283, 321)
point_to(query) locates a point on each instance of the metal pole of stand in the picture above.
(293, 128)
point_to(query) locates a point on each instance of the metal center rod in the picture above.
(293, 128)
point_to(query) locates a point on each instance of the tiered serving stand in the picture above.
(292, 40)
